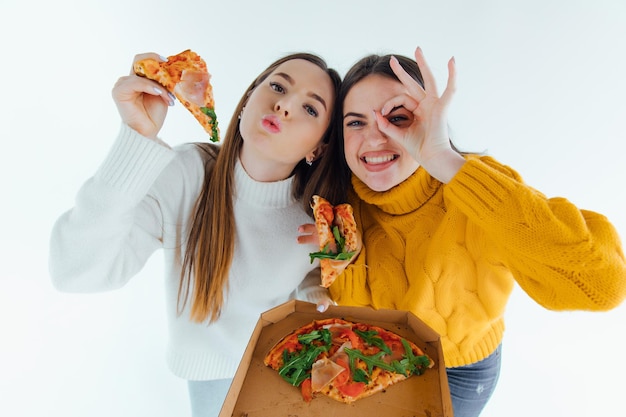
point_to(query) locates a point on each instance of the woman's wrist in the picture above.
(444, 165)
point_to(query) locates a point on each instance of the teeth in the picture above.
(378, 159)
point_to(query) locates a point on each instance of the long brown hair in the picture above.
(211, 242)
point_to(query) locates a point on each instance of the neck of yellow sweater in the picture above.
(405, 197)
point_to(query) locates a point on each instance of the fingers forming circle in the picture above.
(405, 100)
(413, 87)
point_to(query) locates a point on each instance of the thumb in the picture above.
(324, 303)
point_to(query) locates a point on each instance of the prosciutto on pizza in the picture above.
(345, 360)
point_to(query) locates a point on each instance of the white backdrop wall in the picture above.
(541, 87)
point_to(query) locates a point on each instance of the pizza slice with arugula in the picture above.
(338, 241)
(345, 360)
(186, 76)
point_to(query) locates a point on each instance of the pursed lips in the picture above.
(271, 123)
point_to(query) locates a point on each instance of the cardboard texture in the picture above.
(258, 391)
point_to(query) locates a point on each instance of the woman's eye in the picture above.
(397, 119)
(310, 110)
(354, 123)
(277, 87)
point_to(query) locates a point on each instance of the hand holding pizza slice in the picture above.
(186, 76)
(338, 238)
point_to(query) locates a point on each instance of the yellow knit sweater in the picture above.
(450, 254)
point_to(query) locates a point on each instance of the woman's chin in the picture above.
(378, 184)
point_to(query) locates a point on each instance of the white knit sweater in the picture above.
(140, 200)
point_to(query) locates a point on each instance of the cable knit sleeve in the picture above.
(563, 257)
(115, 225)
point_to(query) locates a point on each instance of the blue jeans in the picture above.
(471, 386)
(207, 397)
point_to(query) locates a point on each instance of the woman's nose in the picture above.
(375, 136)
(282, 107)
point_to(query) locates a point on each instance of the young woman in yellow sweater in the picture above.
(446, 235)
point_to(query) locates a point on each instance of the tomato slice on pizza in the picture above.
(186, 76)
(336, 230)
(345, 360)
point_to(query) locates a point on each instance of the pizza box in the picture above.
(258, 391)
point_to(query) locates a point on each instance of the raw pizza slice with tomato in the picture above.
(345, 360)
(186, 76)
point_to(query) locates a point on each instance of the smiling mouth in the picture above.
(376, 160)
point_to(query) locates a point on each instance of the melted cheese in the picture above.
(323, 372)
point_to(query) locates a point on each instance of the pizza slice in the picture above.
(186, 76)
(345, 360)
(336, 230)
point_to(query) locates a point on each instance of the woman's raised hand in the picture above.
(142, 103)
(427, 138)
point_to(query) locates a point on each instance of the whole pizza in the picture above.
(345, 360)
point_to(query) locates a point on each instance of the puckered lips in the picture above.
(378, 161)
(271, 123)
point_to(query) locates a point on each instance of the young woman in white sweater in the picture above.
(226, 217)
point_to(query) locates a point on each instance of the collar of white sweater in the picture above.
(263, 194)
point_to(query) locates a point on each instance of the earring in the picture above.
(309, 162)
(241, 112)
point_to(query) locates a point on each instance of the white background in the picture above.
(541, 87)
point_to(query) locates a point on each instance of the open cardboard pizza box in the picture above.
(258, 391)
